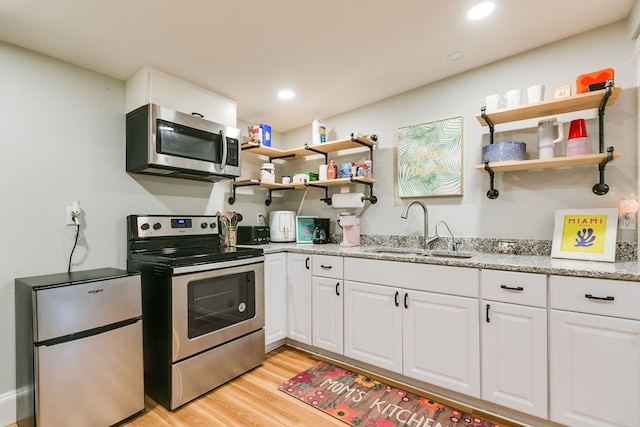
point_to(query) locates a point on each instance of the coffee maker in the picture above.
(350, 224)
(321, 232)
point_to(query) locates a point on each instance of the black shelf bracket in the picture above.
(601, 188)
(232, 199)
(492, 193)
(483, 113)
(326, 155)
(371, 198)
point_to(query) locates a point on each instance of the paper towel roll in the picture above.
(347, 200)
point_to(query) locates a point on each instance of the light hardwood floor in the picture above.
(252, 399)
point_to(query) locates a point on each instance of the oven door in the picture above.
(210, 308)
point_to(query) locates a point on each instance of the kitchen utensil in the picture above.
(550, 133)
(512, 98)
(535, 94)
(578, 142)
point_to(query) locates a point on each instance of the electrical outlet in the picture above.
(627, 222)
(70, 216)
(259, 218)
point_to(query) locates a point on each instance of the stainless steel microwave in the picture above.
(161, 141)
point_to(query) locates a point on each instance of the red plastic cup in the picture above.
(577, 129)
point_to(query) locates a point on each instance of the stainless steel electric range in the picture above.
(202, 305)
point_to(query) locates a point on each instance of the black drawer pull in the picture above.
(326, 267)
(396, 299)
(487, 314)
(406, 303)
(512, 288)
(338, 288)
(306, 263)
(599, 298)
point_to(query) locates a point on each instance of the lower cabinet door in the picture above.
(594, 370)
(327, 296)
(373, 325)
(514, 357)
(275, 296)
(442, 340)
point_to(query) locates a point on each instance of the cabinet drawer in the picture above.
(442, 279)
(614, 298)
(327, 266)
(512, 287)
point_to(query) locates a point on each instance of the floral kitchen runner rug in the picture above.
(364, 402)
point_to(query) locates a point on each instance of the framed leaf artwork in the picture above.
(430, 159)
(588, 234)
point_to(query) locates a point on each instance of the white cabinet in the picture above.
(373, 324)
(441, 340)
(327, 297)
(412, 324)
(514, 340)
(275, 290)
(299, 297)
(151, 86)
(594, 352)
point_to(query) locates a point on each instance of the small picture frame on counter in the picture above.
(305, 227)
(585, 234)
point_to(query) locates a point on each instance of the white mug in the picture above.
(491, 102)
(535, 93)
(323, 172)
(512, 98)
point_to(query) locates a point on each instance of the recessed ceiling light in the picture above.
(454, 56)
(481, 10)
(286, 94)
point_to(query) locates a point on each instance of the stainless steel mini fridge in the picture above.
(79, 348)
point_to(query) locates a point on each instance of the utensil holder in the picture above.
(229, 233)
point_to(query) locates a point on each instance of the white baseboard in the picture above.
(8, 408)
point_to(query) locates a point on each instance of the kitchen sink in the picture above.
(458, 255)
(406, 251)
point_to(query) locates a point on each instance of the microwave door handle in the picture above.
(224, 149)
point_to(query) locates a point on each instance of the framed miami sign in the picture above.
(587, 234)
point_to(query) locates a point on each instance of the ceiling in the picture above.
(336, 55)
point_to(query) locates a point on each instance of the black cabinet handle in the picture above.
(396, 299)
(197, 114)
(487, 314)
(338, 288)
(512, 288)
(406, 303)
(326, 267)
(609, 298)
(306, 263)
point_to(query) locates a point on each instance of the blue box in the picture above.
(265, 135)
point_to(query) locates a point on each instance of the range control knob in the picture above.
(157, 226)
(144, 226)
(204, 225)
(212, 225)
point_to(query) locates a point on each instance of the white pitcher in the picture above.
(550, 132)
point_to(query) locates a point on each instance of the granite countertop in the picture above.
(625, 270)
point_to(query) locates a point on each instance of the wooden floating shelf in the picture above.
(310, 150)
(556, 162)
(582, 101)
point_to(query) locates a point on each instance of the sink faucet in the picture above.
(454, 245)
(427, 240)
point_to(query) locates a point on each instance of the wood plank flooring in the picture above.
(252, 399)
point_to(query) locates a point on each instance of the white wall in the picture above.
(527, 199)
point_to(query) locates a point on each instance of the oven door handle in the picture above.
(218, 265)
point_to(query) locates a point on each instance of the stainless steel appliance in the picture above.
(78, 348)
(161, 141)
(203, 305)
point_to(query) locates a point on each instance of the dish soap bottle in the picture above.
(332, 172)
